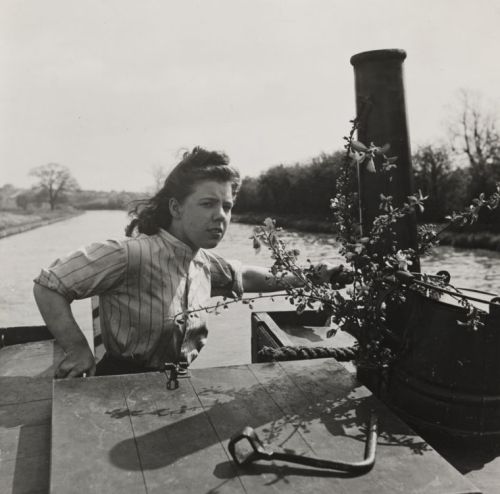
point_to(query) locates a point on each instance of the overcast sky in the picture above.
(113, 88)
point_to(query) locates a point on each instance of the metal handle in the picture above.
(246, 447)
(174, 371)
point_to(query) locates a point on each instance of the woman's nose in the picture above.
(220, 213)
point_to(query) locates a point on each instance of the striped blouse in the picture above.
(145, 285)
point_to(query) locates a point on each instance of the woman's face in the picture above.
(201, 220)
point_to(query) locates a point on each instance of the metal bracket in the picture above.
(243, 455)
(174, 372)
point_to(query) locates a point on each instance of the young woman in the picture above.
(146, 282)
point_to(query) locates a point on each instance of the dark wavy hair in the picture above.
(149, 215)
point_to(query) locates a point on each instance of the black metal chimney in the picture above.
(380, 95)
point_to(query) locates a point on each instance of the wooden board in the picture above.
(128, 434)
(25, 446)
(36, 359)
(25, 412)
(90, 419)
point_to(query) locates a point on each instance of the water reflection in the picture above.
(477, 269)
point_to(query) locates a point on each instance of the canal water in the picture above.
(24, 254)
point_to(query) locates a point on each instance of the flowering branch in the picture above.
(375, 258)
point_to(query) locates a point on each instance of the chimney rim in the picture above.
(378, 55)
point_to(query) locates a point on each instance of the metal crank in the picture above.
(244, 455)
(174, 372)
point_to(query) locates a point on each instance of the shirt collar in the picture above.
(199, 258)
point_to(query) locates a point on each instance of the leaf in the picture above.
(300, 308)
(256, 245)
(269, 223)
(370, 166)
(359, 248)
(384, 149)
(331, 332)
(359, 146)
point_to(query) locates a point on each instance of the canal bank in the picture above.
(13, 223)
(475, 239)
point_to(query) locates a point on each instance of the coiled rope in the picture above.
(268, 354)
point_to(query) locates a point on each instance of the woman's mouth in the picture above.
(216, 232)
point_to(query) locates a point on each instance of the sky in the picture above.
(113, 89)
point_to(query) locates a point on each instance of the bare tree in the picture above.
(54, 180)
(474, 135)
(435, 176)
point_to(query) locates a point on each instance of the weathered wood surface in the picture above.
(129, 434)
(25, 414)
(309, 330)
(26, 372)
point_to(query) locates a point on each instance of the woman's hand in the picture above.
(337, 275)
(77, 362)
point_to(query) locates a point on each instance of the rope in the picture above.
(268, 354)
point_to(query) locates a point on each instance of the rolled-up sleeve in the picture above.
(89, 271)
(225, 276)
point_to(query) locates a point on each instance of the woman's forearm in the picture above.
(258, 279)
(57, 314)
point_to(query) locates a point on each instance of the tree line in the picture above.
(57, 187)
(451, 173)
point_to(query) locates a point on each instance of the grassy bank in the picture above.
(470, 240)
(12, 222)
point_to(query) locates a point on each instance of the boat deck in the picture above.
(226, 400)
(130, 434)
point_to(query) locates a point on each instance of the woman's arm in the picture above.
(57, 314)
(258, 279)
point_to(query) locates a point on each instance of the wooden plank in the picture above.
(128, 434)
(90, 420)
(25, 414)
(336, 420)
(177, 445)
(20, 389)
(30, 359)
(24, 445)
(25, 442)
(479, 461)
(25, 475)
(233, 398)
(320, 410)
